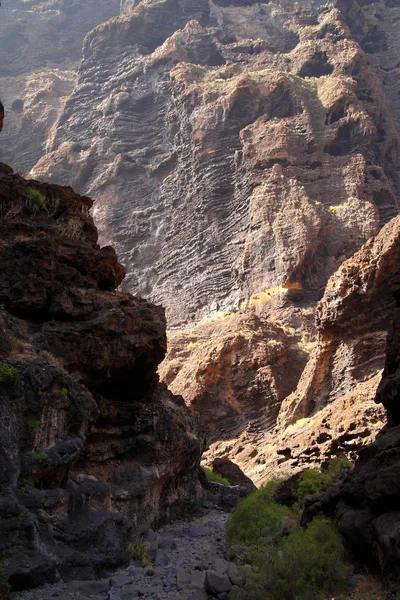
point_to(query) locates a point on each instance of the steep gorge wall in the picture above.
(40, 50)
(92, 445)
(239, 153)
(254, 140)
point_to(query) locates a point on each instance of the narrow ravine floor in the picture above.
(190, 556)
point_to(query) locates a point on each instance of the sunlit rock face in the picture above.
(234, 147)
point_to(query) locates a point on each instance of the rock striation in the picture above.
(253, 139)
(92, 446)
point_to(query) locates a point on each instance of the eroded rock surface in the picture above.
(366, 504)
(92, 446)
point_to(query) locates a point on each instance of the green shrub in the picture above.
(5, 588)
(42, 457)
(253, 514)
(216, 477)
(64, 392)
(33, 426)
(313, 481)
(8, 373)
(139, 550)
(307, 565)
(2, 306)
(35, 200)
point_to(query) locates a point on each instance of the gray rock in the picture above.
(119, 581)
(223, 596)
(238, 593)
(234, 575)
(148, 571)
(216, 583)
(198, 580)
(161, 558)
(128, 592)
(182, 578)
(198, 595)
(197, 531)
(88, 588)
(167, 543)
(220, 565)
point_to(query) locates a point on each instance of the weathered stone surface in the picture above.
(91, 444)
(217, 583)
(234, 474)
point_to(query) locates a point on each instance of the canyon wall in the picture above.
(239, 153)
(92, 445)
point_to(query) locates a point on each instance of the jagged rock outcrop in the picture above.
(332, 410)
(92, 446)
(366, 504)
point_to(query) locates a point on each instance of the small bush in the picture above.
(35, 200)
(313, 481)
(139, 550)
(253, 514)
(33, 426)
(42, 457)
(64, 392)
(307, 565)
(2, 306)
(191, 345)
(5, 588)
(8, 373)
(333, 210)
(216, 477)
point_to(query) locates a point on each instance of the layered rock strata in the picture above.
(40, 50)
(332, 410)
(92, 446)
(253, 139)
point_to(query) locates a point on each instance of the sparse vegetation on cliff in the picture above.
(216, 477)
(35, 200)
(8, 373)
(139, 550)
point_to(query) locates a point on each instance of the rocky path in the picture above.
(189, 563)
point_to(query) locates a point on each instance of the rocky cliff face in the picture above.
(253, 139)
(40, 50)
(366, 504)
(239, 153)
(91, 444)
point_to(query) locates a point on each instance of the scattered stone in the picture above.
(198, 580)
(88, 588)
(148, 571)
(220, 565)
(216, 583)
(119, 581)
(198, 595)
(161, 558)
(197, 531)
(182, 578)
(167, 543)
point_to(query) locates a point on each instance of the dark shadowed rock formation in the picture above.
(234, 474)
(366, 504)
(92, 446)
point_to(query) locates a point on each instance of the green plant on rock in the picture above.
(5, 588)
(216, 477)
(33, 426)
(139, 550)
(2, 306)
(313, 481)
(8, 373)
(42, 457)
(333, 210)
(35, 200)
(64, 392)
